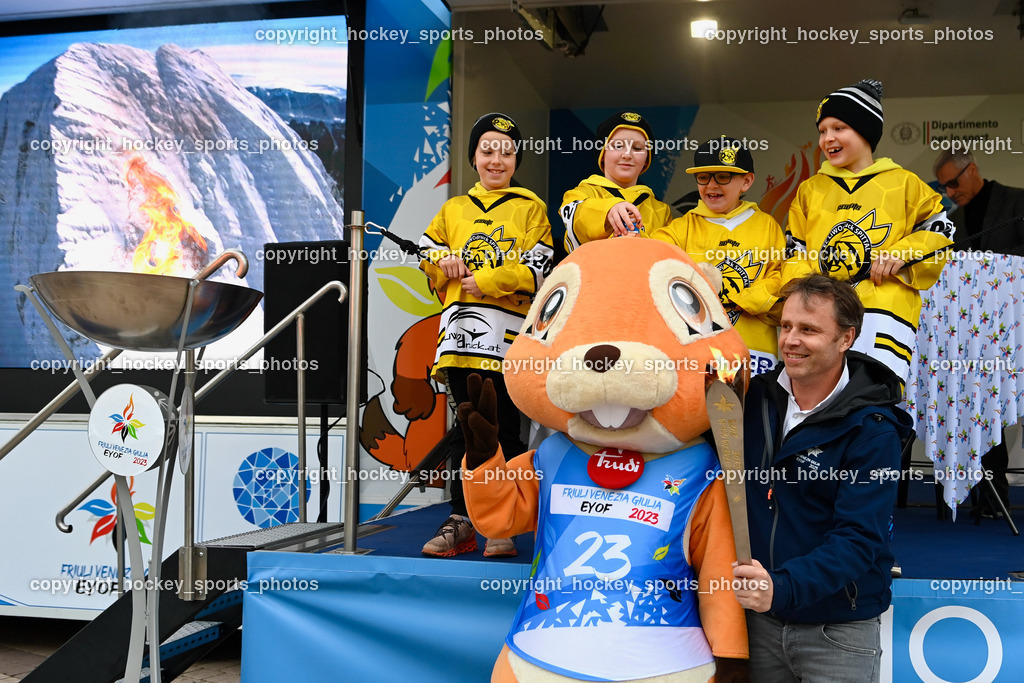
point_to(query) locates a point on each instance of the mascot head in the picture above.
(619, 344)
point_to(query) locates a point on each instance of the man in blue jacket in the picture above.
(822, 464)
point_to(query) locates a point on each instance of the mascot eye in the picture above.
(548, 312)
(690, 306)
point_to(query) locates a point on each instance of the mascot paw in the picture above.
(479, 419)
(731, 670)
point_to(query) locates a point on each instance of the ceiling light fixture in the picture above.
(700, 28)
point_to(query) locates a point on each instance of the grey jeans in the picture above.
(782, 652)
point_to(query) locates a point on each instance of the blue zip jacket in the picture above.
(819, 501)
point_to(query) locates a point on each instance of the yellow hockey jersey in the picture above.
(504, 238)
(585, 208)
(839, 220)
(748, 247)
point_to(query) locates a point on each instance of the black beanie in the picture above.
(858, 106)
(498, 123)
(623, 119)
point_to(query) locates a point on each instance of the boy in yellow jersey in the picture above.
(861, 220)
(743, 242)
(614, 203)
(486, 253)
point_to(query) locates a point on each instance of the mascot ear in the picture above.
(712, 275)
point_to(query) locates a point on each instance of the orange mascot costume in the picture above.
(634, 546)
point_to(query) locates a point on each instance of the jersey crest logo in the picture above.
(846, 252)
(738, 272)
(487, 251)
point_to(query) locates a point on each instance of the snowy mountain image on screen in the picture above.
(86, 139)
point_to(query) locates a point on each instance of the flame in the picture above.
(163, 248)
(724, 369)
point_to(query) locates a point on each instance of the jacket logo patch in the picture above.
(810, 458)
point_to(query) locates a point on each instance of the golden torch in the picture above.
(725, 413)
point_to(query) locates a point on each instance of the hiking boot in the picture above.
(500, 547)
(454, 537)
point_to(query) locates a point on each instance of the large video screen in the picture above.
(154, 148)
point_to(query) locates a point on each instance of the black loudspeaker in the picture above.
(294, 271)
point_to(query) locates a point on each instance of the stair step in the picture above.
(188, 637)
(275, 535)
(223, 602)
(103, 643)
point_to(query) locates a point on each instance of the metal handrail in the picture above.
(216, 380)
(55, 404)
(274, 331)
(236, 255)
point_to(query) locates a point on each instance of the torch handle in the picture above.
(725, 412)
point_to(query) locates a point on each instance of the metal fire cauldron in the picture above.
(143, 312)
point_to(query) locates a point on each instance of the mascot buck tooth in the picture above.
(632, 577)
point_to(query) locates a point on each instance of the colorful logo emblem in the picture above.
(105, 513)
(125, 422)
(727, 156)
(672, 485)
(817, 117)
(631, 117)
(502, 124)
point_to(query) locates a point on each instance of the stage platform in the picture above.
(928, 548)
(392, 614)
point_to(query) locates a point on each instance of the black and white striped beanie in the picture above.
(858, 106)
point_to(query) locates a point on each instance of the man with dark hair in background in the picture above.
(982, 204)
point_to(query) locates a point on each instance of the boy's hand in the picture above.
(885, 265)
(624, 219)
(469, 285)
(453, 267)
(479, 420)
